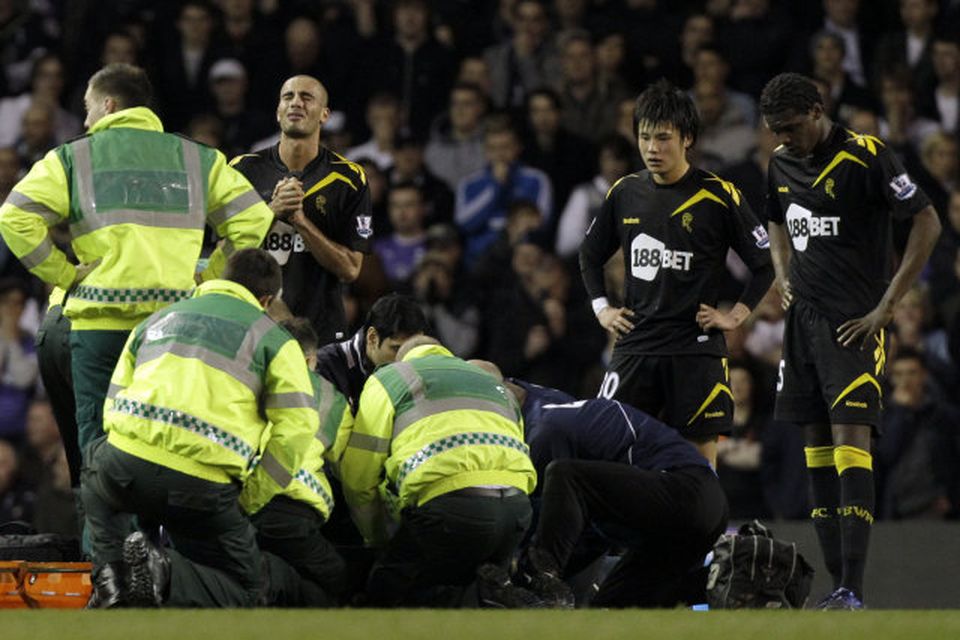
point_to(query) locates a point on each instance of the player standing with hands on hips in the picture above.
(831, 196)
(675, 224)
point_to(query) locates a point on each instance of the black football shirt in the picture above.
(838, 205)
(337, 201)
(675, 240)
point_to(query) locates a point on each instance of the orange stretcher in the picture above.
(44, 585)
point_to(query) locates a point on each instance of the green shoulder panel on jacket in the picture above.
(437, 377)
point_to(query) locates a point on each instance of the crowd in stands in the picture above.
(490, 132)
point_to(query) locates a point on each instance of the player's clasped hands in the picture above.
(616, 320)
(287, 197)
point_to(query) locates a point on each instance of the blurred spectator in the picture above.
(451, 312)
(942, 101)
(44, 466)
(864, 121)
(208, 129)
(901, 126)
(626, 130)
(184, 65)
(725, 137)
(119, 46)
(412, 65)
(698, 32)
(569, 14)
(383, 119)
(527, 61)
(400, 252)
(757, 41)
(611, 58)
(475, 70)
(841, 18)
(750, 176)
(55, 507)
(739, 455)
(10, 170)
(18, 362)
(16, 499)
(765, 339)
(918, 457)
(47, 84)
(827, 53)
(944, 267)
(587, 198)
(494, 268)
(43, 443)
(24, 36)
(253, 38)
(455, 148)
(519, 341)
(654, 29)
(710, 67)
(912, 323)
(587, 109)
(242, 124)
(408, 167)
(484, 197)
(940, 167)
(377, 185)
(37, 134)
(910, 48)
(566, 158)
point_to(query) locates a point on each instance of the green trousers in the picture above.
(441, 544)
(53, 355)
(94, 356)
(291, 530)
(216, 563)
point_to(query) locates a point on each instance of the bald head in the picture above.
(302, 109)
(413, 343)
(489, 367)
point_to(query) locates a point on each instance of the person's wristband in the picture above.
(599, 304)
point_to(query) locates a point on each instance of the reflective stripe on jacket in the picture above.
(212, 387)
(136, 199)
(427, 426)
(310, 484)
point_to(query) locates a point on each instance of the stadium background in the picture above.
(217, 68)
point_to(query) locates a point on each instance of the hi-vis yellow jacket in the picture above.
(212, 387)
(136, 198)
(427, 426)
(310, 484)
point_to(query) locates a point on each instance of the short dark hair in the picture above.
(618, 146)
(909, 353)
(544, 92)
(663, 102)
(125, 83)
(11, 283)
(302, 331)
(256, 270)
(396, 314)
(789, 92)
(826, 34)
(406, 185)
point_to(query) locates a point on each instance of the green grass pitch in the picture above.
(359, 624)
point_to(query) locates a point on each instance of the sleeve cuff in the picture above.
(599, 304)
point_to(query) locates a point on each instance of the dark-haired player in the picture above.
(675, 224)
(392, 320)
(323, 223)
(831, 196)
